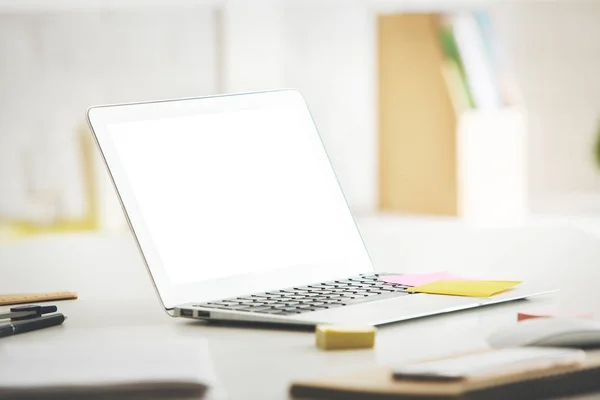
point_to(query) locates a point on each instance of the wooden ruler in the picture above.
(6, 299)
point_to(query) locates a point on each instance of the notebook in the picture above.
(104, 366)
(379, 384)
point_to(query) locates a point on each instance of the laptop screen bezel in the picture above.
(171, 295)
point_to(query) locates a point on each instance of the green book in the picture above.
(597, 148)
(451, 51)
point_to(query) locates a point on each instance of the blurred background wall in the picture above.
(57, 58)
(58, 62)
(555, 52)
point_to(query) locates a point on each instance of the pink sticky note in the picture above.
(419, 279)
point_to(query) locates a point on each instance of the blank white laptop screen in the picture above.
(231, 193)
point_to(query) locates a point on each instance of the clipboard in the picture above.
(378, 384)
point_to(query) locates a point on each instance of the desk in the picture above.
(251, 363)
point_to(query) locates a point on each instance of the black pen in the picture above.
(29, 325)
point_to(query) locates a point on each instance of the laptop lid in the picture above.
(228, 195)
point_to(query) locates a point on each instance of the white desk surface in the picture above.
(253, 363)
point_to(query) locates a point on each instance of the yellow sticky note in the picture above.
(471, 288)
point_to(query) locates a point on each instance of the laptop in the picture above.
(239, 216)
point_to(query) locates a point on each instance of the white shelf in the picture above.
(70, 5)
(397, 6)
(381, 6)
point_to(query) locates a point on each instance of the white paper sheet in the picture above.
(106, 364)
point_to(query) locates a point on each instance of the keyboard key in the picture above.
(377, 297)
(294, 296)
(209, 305)
(261, 309)
(212, 303)
(288, 309)
(335, 304)
(324, 293)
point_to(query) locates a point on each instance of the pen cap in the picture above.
(38, 310)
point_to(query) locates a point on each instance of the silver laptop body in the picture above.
(239, 216)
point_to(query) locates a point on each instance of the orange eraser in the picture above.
(553, 313)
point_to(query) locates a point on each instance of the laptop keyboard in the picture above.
(320, 296)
